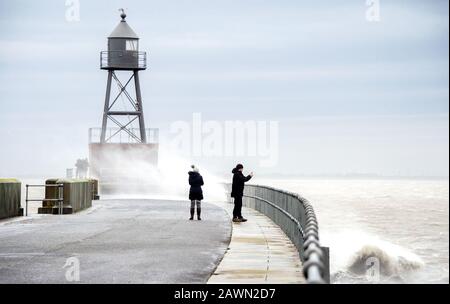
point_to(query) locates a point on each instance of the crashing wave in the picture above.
(392, 261)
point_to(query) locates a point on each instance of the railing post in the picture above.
(60, 201)
(26, 200)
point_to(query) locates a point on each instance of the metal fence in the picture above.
(296, 217)
(59, 200)
(127, 60)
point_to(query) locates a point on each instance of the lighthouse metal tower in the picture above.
(123, 55)
(119, 149)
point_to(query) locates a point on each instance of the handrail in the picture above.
(128, 60)
(282, 211)
(314, 257)
(59, 200)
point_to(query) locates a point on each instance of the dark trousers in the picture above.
(237, 207)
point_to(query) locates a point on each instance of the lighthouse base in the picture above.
(124, 168)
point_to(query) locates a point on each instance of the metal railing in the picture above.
(94, 190)
(296, 217)
(152, 135)
(59, 200)
(127, 60)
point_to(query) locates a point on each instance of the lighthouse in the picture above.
(123, 142)
(123, 55)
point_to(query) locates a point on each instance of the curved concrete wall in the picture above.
(10, 198)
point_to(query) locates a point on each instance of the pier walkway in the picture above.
(147, 241)
(116, 241)
(259, 252)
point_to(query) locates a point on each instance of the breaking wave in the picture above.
(391, 260)
(356, 256)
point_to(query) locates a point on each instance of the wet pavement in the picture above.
(259, 252)
(115, 241)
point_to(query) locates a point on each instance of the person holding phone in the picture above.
(237, 191)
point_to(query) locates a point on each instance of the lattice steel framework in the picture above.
(136, 112)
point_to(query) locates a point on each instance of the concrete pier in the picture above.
(147, 241)
(116, 241)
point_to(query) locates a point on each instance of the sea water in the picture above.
(402, 223)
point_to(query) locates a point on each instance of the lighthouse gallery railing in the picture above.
(123, 60)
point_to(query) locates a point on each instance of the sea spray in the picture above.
(392, 260)
(353, 254)
(167, 180)
(174, 178)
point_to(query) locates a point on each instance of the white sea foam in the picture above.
(169, 180)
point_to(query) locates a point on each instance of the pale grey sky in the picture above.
(351, 96)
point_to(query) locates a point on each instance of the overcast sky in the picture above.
(350, 96)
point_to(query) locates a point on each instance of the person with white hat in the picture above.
(195, 192)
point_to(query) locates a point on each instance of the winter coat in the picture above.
(237, 188)
(196, 182)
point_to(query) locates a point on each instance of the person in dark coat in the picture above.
(237, 191)
(195, 193)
